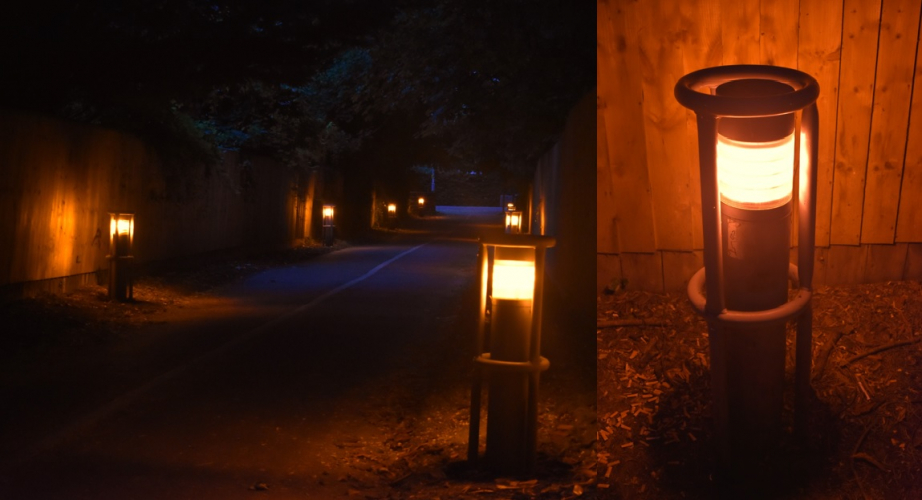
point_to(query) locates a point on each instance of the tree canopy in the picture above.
(475, 82)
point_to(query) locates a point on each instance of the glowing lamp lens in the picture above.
(391, 208)
(123, 226)
(755, 175)
(328, 211)
(513, 279)
(422, 201)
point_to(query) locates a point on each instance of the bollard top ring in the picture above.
(694, 91)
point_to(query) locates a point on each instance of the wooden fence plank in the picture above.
(819, 51)
(778, 39)
(740, 31)
(845, 264)
(885, 263)
(899, 31)
(704, 49)
(678, 268)
(608, 271)
(909, 219)
(660, 43)
(860, 28)
(606, 209)
(913, 269)
(642, 271)
(621, 101)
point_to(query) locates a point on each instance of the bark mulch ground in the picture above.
(865, 438)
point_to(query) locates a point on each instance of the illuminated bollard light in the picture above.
(121, 240)
(391, 217)
(511, 291)
(328, 226)
(747, 143)
(513, 222)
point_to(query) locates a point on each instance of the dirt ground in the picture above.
(420, 449)
(865, 423)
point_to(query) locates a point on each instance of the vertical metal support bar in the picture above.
(713, 265)
(810, 123)
(473, 443)
(535, 359)
(807, 207)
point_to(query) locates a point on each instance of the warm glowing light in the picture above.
(123, 226)
(328, 211)
(392, 208)
(510, 206)
(755, 175)
(421, 201)
(513, 279)
(513, 222)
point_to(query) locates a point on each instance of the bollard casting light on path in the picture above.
(746, 142)
(121, 239)
(511, 291)
(328, 225)
(513, 222)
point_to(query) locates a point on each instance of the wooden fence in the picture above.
(864, 54)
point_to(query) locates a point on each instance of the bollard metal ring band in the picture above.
(692, 91)
(781, 314)
(520, 366)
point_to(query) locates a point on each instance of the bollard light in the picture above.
(513, 222)
(511, 286)
(747, 142)
(390, 220)
(510, 206)
(328, 225)
(121, 240)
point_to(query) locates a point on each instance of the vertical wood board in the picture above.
(704, 49)
(899, 30)
(642, 271)
(845, 264)
(659, 38)
(740, 31)
(606, 214)
(884, 263)
(621, 99)
(778, 28)
(819, 52)
(909, 217)
(860, 29)
(679, 267)
(608, 271)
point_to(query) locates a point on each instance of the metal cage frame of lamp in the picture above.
(483, 360)
(694, 91)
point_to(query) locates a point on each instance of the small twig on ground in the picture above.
(876, 350)
(615, 323)
(823, 356)
(854, 453)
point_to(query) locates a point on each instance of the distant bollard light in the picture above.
(328, 226)
(746, 143)
(513, 222)
(510, 206)
(121, 240)
(390, 219)
(511, 285)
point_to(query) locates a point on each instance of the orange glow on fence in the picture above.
(513, 279)
(755, 175)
